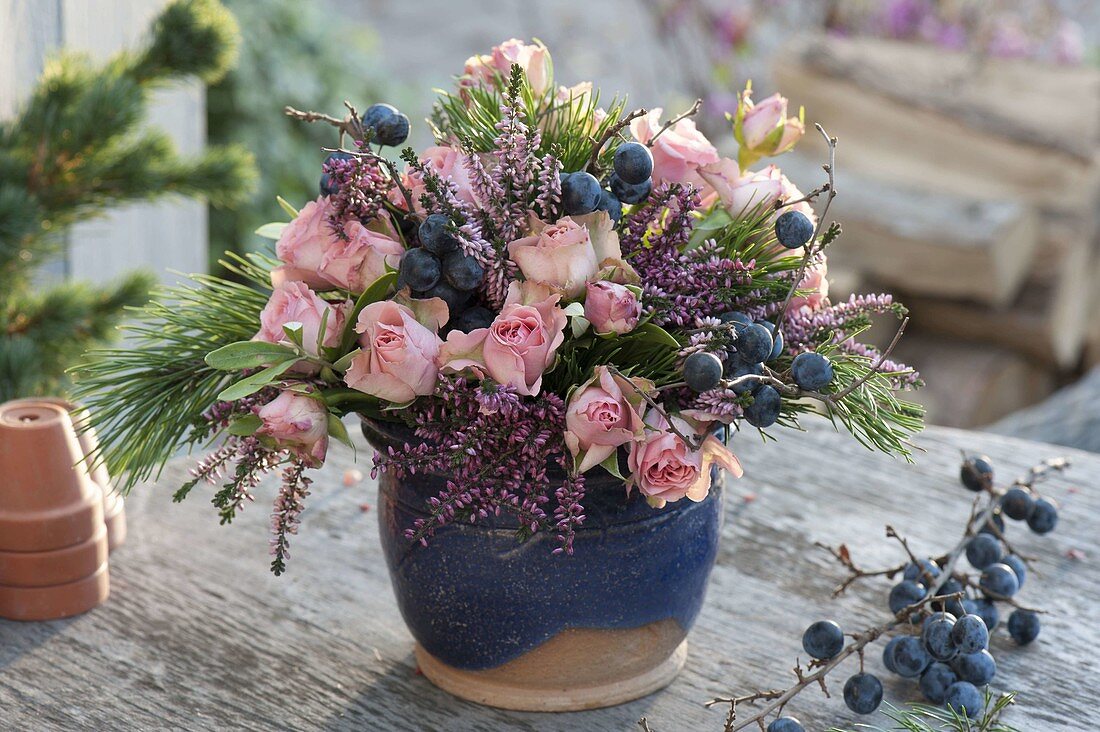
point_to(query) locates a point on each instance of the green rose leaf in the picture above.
(248, 355)
(272, 230)
(252, 384)
(245, 425)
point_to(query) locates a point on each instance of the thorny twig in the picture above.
(694, 442)
(830, 169)
(779, 698)
(691, 112)
(610, 132)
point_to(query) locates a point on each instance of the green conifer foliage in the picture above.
(77, 148)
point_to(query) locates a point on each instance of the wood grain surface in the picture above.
(198, 635)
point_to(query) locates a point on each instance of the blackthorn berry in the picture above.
(999, 580)
(786, 724)
(935, 680)
(633, 163)
(906, 593)
(936, 637)
(580, 193)
(793, 229)
(811, 371)
(823, 640)
(702, 371)
(434, 235)
(764, 410)
(1044, 517)
(462, 272)
(964, 698)
(628, 193)
(1017, 566)
(753, 344)
(1017, 504)
(984, 550)
(978, 667)
(1023, 626)
(976, 473)
(910, 658)
(970, 634)
(863, 693)
(419, 269)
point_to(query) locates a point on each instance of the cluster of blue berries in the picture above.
(630, 183)
(950, 657)
(439, 268)
(755, 343)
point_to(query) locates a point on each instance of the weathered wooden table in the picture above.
(198, 635)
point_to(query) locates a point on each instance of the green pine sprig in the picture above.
(927, 718)
(147, 399)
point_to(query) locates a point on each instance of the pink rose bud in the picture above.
(678, 153)
(813, 290)
(764, 129)
(314, 254)
(604, 413)
(569, 253)
(494, 68)
(399, 358)
(297, 423)
(294, 302)
(665, 469)
(611, 308)
(518, 347)
(741, 194)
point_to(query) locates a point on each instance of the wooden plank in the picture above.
(972, 384)
(1034, 103)
(198, 635)
(930, 243)
(1047, 323)
(895, 141)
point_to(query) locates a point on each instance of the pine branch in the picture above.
(146, 398)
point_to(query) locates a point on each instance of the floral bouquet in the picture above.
(559, 286)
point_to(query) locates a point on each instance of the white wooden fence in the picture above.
(168, 235)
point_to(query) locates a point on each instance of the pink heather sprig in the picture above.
(287, 512)
(903, 376)
(721, 404)
(804, 328)
(361, 187)
(254, 461)
(515, 173)
(548, 200)
(569, 513)
(490, 469)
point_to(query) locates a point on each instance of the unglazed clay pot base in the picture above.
(58, 601)
(573, 671)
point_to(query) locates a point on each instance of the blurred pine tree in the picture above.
(292, 53)
(76, 148)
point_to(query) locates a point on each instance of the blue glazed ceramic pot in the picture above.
(516, 626)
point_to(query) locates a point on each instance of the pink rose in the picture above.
(764, 128)
(604, 413)
(665, 469)
(294, 302)
(816, 287)
(399, 360)
(567, 254)
(520, 344)
(448, 163)
(611, 308)
(740, 194)
(578, 97)
(494, 68)
(678, 153)
(298, 423)
(314, 254)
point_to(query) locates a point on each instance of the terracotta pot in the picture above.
(515, 626)
(53, 540)
(114, 510)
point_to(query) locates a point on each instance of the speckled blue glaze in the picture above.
(475, 599)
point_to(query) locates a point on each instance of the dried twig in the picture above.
(610, 132)
(691, 112)
(811, 248)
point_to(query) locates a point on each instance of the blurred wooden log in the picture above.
(927, 242)
(1045, 105)
(1047, 322)
(907, 134)
(971, 384)
(1069, 417)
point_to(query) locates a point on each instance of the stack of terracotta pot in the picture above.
(59, 515)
